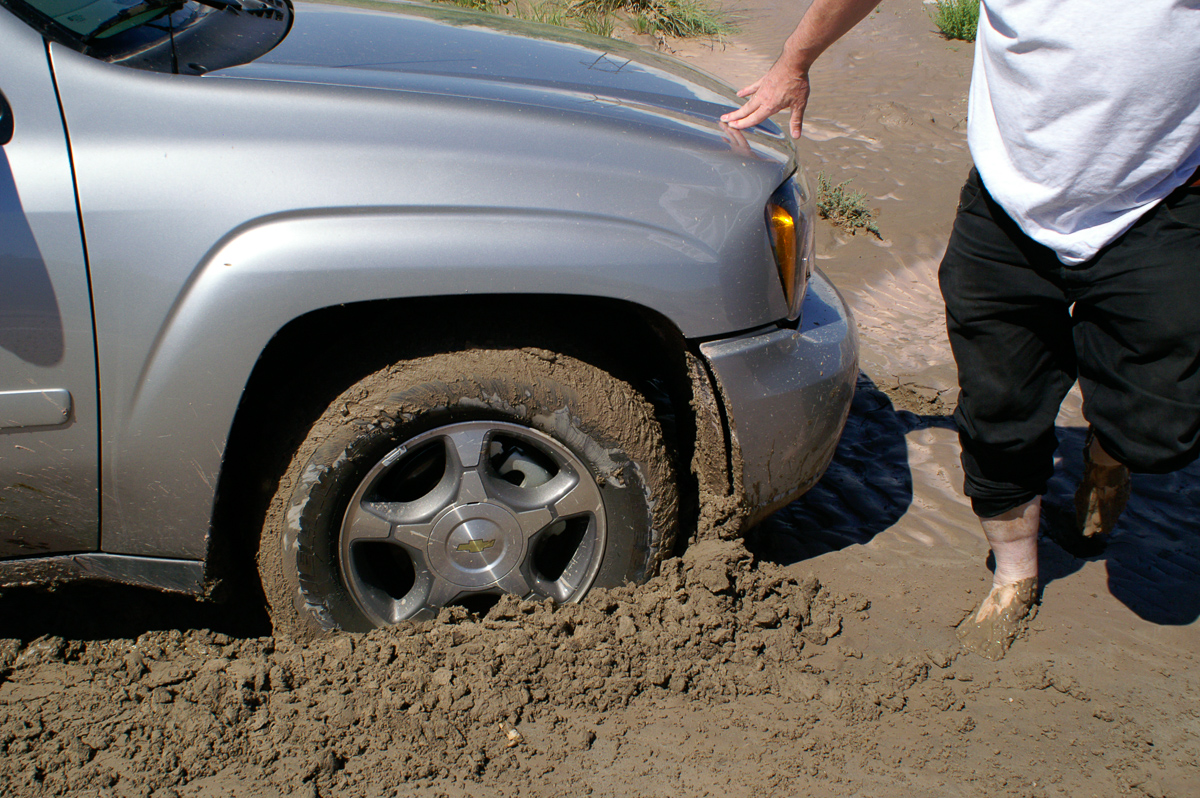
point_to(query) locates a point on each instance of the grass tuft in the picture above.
(957, 19)
(845, 209)
(681, 18)
(549, 12)
(491, 6)
(595, 23)
(644, 25)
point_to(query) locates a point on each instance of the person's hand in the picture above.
(783, 87)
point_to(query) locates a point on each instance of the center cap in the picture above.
(474, 545)
(475, 536)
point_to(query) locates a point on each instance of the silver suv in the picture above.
(408, 306)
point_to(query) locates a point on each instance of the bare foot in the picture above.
(990, 629)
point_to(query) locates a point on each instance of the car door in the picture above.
(49, 489)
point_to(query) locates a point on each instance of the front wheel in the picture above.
(456, 478)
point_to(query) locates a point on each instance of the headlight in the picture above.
(789, 222)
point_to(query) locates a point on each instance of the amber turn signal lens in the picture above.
(783, 241)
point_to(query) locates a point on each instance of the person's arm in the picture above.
(786, 83)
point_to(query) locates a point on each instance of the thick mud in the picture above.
(502, 699)
(724, 675)
(817, 658)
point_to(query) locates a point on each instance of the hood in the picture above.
(447, 51)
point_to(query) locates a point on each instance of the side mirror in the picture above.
(6, 121)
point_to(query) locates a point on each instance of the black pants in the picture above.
(1024, 326)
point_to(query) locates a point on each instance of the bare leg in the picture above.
(1013, 538)
(990, 629)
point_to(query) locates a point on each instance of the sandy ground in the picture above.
(821, 662)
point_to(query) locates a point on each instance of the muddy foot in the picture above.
(990, 629)
(1102, 495)
(1099, 501)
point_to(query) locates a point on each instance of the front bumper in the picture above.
(786, 395)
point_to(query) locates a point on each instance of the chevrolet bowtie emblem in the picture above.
(476, 546)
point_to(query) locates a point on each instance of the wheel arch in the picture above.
(312, 359)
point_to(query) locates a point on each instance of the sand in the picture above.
(817, 659)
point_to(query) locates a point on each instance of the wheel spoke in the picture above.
(582, 497)
(515, 583)
(440, 594)
(416, 509)
(413, 536)
(470, 488)
(362, 523)
(534, 521)
(468, 445)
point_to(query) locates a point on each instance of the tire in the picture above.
(456, 478)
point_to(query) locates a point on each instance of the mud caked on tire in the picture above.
(459, 477)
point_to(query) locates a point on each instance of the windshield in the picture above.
(185, 36)
(88, 17)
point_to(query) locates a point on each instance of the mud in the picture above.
(724, 675)
(818, 659)
(504, 699)
(1002, 616)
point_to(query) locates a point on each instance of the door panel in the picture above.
(49, 492)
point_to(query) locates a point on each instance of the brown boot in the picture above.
(1101, 496)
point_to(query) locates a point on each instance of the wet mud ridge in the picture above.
(447, 699)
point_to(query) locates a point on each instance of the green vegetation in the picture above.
(682, 18)
(957, 19)
(595, 23)
(643, 24)
(548, 12)
(844, 208)
(482, 5)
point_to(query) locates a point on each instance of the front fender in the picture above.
(165, 460)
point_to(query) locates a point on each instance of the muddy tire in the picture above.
(456, 478)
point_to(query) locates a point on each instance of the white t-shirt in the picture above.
(1085, 113)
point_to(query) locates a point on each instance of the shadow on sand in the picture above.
(1153, 559)
(866, 490)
